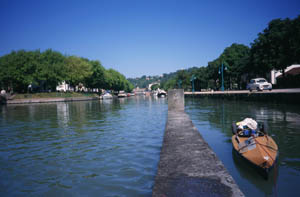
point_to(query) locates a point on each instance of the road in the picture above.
(291, 90)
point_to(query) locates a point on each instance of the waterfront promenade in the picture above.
(288, 96)
(49, 100)
(274, 91)
(188, 166)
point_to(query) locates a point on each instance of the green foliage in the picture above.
(209, 77)
(234, 58)
(50, 70)
(117, 81)
(170, 84)
(277, 47)
(183, 77)
(144, 81)
(78, 70)
(44, 71)
(155, 87)
(201, 81)
(98, 77)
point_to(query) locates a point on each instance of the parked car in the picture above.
(259, 84)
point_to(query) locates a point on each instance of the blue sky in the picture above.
(139, 37)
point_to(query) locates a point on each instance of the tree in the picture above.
(235, 60)
(213, 73)
(78, 70)
(18, 69)
(201, 81)
(276, 47)
(294, 40)
(50, 70)
(171, 83)
(118, 82)
(155, 87)
(183, 77)
(98, 77)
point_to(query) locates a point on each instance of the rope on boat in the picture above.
(264, 149)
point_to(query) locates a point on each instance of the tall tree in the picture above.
(276, 47)
(51, 69)
(18, 69)
(77, 69)
(98, 77)
(235, 60)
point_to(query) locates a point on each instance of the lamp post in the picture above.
(192, 80)
(179, 83)
(221, 71)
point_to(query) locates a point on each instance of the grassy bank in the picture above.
(54, 95)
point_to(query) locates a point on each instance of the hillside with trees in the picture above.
(276, 47)
(45, 70)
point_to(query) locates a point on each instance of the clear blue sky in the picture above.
(141, 37)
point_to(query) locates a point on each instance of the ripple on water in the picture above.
(82, 148)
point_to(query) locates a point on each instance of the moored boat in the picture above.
(255, 145)
(107, 96)
(122, 94)
(161, 93)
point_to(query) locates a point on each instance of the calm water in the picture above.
(213, 118)
(108, 148)
(112, 148)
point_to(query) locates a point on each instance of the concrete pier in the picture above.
(284, 96)
(188, 166)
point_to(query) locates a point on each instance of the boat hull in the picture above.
(262, 152)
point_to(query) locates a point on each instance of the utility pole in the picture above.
(192, 80)
(179, 83)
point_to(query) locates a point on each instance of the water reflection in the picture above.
(63, 115)
(98, 148)
(250, 173)
(213, 118)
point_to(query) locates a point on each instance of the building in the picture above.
(291, 70)
(64, 87)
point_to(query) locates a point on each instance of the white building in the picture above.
(291, 70)
(64, 87)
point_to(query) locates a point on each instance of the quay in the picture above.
(290, 96)
(188, 166)
(48, 100)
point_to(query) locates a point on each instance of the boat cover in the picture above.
(247, 122)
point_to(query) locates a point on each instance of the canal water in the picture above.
(213, 118)
(92, 148)
(111, 148)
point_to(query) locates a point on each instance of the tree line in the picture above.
(47, 69)
(276, 47)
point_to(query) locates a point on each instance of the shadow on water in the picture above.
(251, 173)
(213, 118)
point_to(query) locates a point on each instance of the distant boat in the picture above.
(256, 146)
(122, 94)
(161, 93)
(107, 96)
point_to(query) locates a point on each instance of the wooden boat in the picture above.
(256, 146)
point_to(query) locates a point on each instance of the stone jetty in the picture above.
(188, 166)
